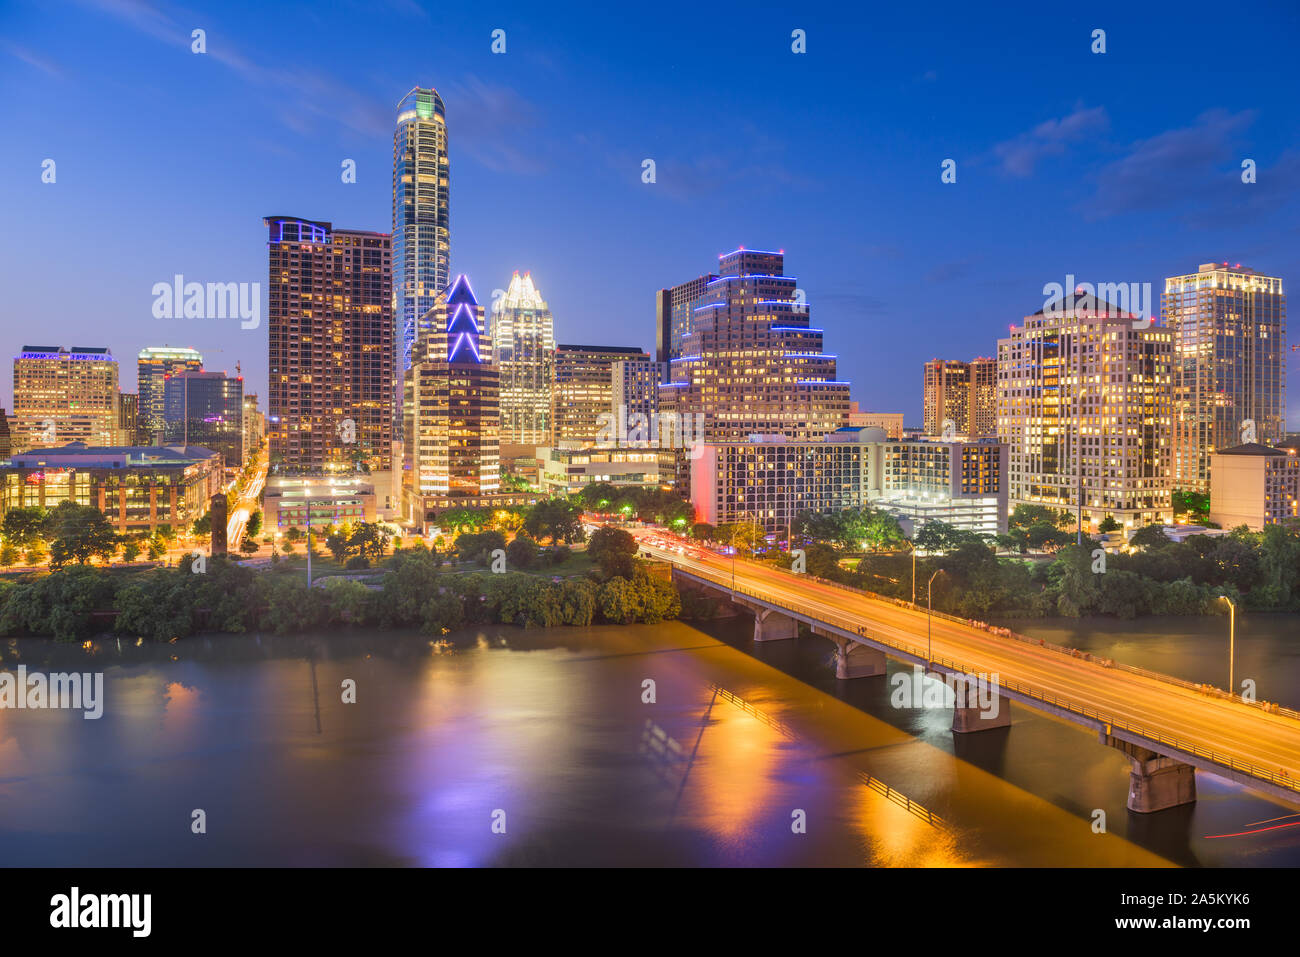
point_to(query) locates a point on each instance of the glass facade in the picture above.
(1229, 328)
(421, 233)
(523, 339)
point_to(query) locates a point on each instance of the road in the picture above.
(1230, 731)
(245, 507)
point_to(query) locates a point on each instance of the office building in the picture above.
(1255, 485)
(138, 488)
(673, 316)
(1229, 333)
(254, 425)
(63, 395)
(582, 392)
(523, 342)
(207, 409)
(634, 386)
(128, 419)
(332, 399)
(452, 433)
(421, 221)
(1084, 403)
(153, 365)
(751, 363)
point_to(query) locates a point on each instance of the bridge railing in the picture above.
(1209, 690)
(847, 624)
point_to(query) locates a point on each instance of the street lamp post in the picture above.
(1232, 642)
(913, 547)
(929, 596)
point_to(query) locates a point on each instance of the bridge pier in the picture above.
(1156, 782)
(855, 660)
(771, 625)
(979, 705)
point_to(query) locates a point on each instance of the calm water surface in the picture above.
(550, 728)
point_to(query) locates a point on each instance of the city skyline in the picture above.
(1147, 162)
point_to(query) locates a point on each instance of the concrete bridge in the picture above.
(1168, 728)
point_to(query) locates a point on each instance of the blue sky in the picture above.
(1118, 167)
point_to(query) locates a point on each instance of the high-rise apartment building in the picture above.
(751, 363)
(582, 393)
(421, 223)
(961, 397)
(1229, 331)
(206, 409)
(673, 316)
(63, 396)
(330, 330)
(523, 341)
(153, 365)
(452, 435)
(1084, 403)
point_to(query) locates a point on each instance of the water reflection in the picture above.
(545, 733)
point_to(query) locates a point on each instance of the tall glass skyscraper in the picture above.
(523, 337)
(421, 238)
(1229, 327)
(153, 365)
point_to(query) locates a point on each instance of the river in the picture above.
(540, 747)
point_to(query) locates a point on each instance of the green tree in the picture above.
(24, 525)
(522, 552)
(79, 533)
(613, 550)
(254, 525)
(201, 528)
(1108, 524)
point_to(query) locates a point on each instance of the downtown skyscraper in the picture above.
(1229, 330)
(750, 362)
(153, 365)
(332, 402)
(523, 340)
(1084, 405)
(421, 223)
(454, 417)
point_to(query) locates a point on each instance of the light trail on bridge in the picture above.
(1236, 736)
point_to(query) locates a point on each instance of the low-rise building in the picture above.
(1255, 485)
(290, 501)
(138, 488)
(568, 470)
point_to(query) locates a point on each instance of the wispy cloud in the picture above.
(492, 123)
(1019, 156)
(31, 59)
(303, 96)
(1184, 167)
